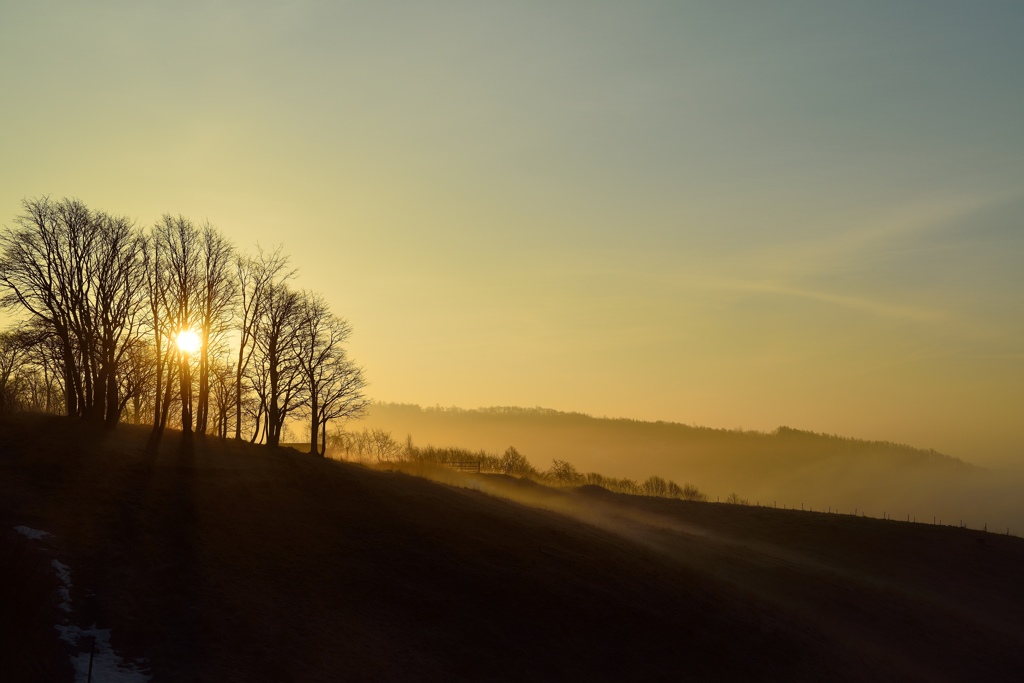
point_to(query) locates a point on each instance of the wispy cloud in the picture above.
(878, 308)
(855, 238)
(805, 269)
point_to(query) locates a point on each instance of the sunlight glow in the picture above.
(188, 341)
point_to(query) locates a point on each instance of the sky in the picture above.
(731, 214)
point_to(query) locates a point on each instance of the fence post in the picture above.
(92, 651)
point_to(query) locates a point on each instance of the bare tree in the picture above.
(177, 246)
(104, 304)
(564, 473)
(78, 274)
(156, 283)
(12, 359)
(333, 383)
(40, 274)
(138, 380)
(222, 393)
(43, 353)
(117, 279)
(342, 397)
(218, 293)
(254, 276)
(514, 463)
(277, 343)
(383, 446)
(254, 401)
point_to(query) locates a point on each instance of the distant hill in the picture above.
(786, 467)
(213, 560)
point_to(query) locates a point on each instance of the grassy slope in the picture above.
(229, 562)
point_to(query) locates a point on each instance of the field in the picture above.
(229, 562)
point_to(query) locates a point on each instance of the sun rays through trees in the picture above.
(168, 324)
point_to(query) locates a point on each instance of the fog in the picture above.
(786, 468)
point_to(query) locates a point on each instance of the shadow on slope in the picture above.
(933, 603)
(229, 562)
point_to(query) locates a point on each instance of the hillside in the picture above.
(788, 466)
(230, 562)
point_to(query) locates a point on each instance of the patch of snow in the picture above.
(33, 534)
(107, 666)
(64, 574)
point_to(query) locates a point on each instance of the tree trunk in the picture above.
(70, 395)
(113, 401)
(168, 392)
(71, 381)
(314, 427)
(202, 407)
(87, 406)
(186, 396)
(159, 383)
(46, 381)
(256, 429)
(165, 411)
(238, 398)
(273, 434)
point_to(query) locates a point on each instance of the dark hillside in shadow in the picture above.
(230, 562)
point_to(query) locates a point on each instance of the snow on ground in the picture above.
(33, 534)
(64, 574)
(107, 665)
(98, 656)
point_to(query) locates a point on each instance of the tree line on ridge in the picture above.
(169, 325)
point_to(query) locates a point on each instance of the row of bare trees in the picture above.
(101, 304)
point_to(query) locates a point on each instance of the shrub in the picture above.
(564, 473)
(689, 492)
(655, 486)
(515, 464)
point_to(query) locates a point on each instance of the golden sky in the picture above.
(726, 214)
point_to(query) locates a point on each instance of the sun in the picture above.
(188, 341)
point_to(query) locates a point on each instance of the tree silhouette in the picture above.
(78, 274)
(102, 303)
(277, 342)
(177, 241)
(334, 384)
(218, 293)
(254, 276)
